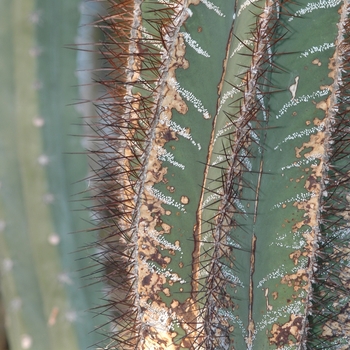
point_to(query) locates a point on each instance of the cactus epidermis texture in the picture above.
(221, 138)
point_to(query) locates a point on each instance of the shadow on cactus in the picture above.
(222, 178)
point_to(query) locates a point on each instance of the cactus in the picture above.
(41, 263)
(221, 179)
(223, 154)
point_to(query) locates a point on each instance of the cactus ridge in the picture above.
(330, 300)
(226, 292)
(130, 118)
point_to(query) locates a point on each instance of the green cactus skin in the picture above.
(222, 144)
(41, 282)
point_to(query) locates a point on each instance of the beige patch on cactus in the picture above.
(296, 280)
(166, 291)
(171, 189)
(281, 333)
(184, 200)
(322, 105)
(333, 66)
(157, 335)
(345, 214)
(316, 143)
(293, 87)
(295, 256)
(317, 62)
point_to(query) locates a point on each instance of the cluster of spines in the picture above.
(330, 305)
